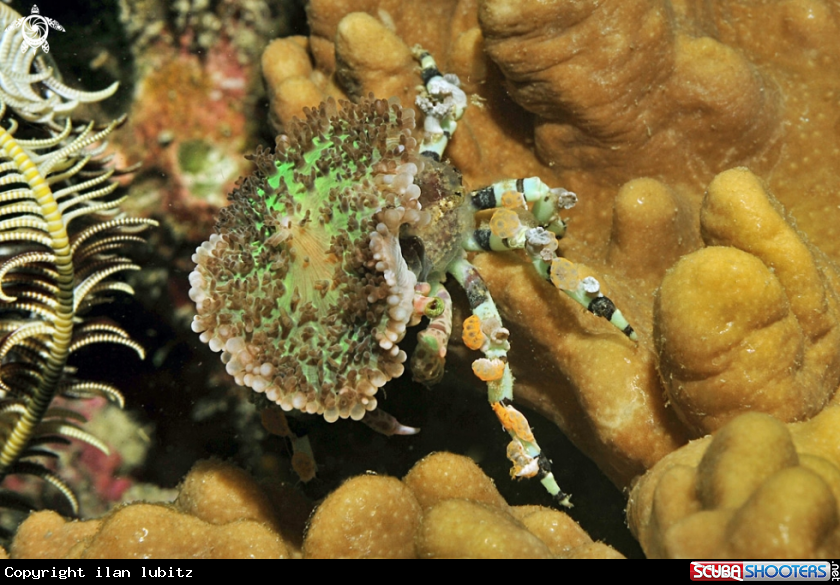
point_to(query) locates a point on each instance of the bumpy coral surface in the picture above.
(638, 123)
(751, 321)
(367, 517)
(445, 508)
(303, 287)
(756, 489)
(220, 513)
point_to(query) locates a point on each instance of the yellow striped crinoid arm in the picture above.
(62, 233)
(61, 230)
(60, 328)
(46, 274)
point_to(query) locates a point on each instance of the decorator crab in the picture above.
(343, 239)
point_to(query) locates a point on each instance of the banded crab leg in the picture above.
(428, 359)
(535, 231)
(515, 193)
(427, 363)
(485, 332)
(442, 101)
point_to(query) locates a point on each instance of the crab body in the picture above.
(442, 195)
(343, 239)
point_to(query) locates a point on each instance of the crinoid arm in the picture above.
(486, 328)
(60, 232)
(51, 271)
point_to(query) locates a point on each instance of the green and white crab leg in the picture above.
(541, 246)
(523, 451)
(442, 101)
(514, 193)
(508, 231)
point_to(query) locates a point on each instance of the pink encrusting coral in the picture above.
(190, 157)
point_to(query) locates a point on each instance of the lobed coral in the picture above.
(222, 513)
(755, 489)
(678, 93)
(771, 343)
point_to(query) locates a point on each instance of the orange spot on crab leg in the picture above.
(564, 274)
(514, 422)
(505, 223)
(513, 200)
(523, 464)
(472, 335)
(488, 370)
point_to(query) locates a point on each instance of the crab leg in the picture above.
(385, 424)
(547, 201)
(427, 361)
(541, 246)
(275, 422)
(523, 451)
(442, 101)
(508, 231)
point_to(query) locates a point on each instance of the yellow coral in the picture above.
(750, 326)
(367, 517)
(444, 476)
(757, 489)
(463, 529)
(222, 513)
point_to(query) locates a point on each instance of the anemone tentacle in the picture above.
(304, 288)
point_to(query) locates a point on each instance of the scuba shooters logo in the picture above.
(764, 571)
